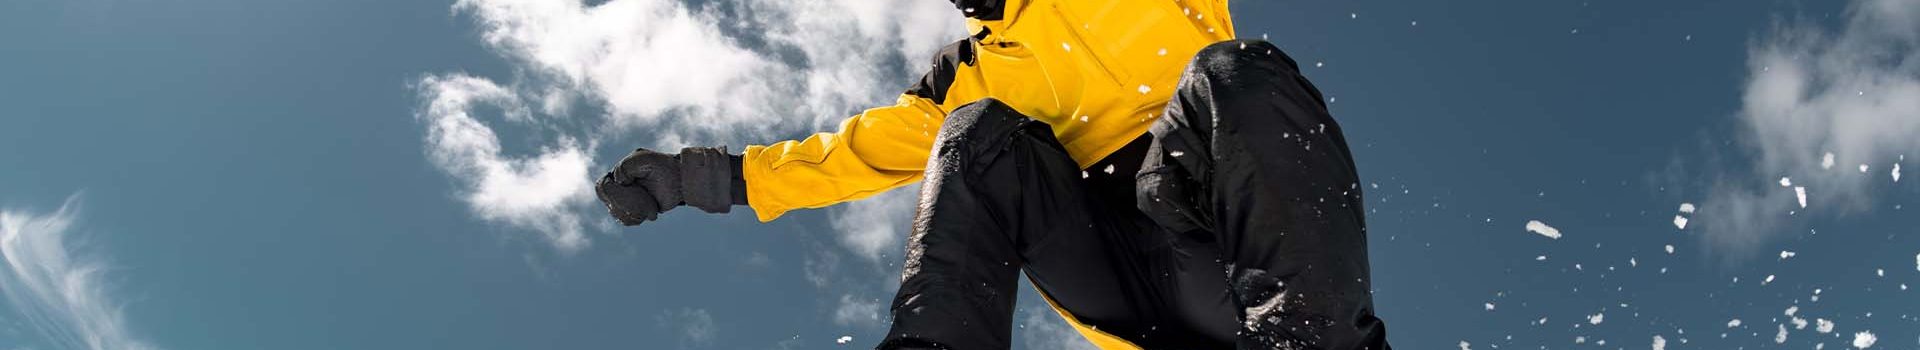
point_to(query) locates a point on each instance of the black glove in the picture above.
(647, 183)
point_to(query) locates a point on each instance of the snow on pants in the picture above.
(1236, 223)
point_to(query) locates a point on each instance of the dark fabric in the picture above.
(647, 183)
(1235, 224)
(1248, 152)
(739, 180)
(1002, 195)
(933, 86)
(641, 186)
(706, 178)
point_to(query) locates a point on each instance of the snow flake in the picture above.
(844, 339)
(1659, 343)
(1319, 64)
(1781, 336)
(1792, 309)
(1680, 222)
(1798, 323)
(1669, 249)
(1734, 323)
(1489, 306)
(1597, 318)
(1465, 346)
(1633, 262)
(1541, 228)
(1786, 182)
(1540, 258)
(1687, 208)
(1896, 172)
(1353, 16)
(1784, 254)
(1765, 282)
(1108, 170)
(1880, 272)
(1823, 325)
(1863, 168)
(1826, 161)
(1801, 193)
(1864, 339)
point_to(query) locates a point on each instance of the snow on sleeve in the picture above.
(1864, 339)
(1541, 228)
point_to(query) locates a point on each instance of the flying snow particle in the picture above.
(1896, 172)
(1540, 258)
(1786, 182)
(1863, 168)
(1801, 193)
(1781, 336)
(1822, 325)
(1144, 89)
(844, 339)
(1109, 169)
(1864, 339)
(1489, 306)
(1353, 15)
(1068, 48)
(1686, 208)
(1541, 228)
(1799, 323)
(1580, 340)
(1597, 318)
(1465, 346)
(1784, 254)
(1880, 272)
(1659, 343)
(1633, 262)
(1826, 161)
(1319, 64)
(1764, 282)
(1669, 249)
(1733, 323)
(1680, 222)
(1792, 309)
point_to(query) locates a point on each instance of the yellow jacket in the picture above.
(1098, 71)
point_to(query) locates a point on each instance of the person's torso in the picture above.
(1099, 72)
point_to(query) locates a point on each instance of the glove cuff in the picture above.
(706, 178)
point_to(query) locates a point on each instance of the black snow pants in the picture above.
(1235, 223)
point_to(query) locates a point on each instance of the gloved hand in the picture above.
(647, 183)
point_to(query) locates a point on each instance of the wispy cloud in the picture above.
(60, 293)
(695, 326)
(1812, 91)
(666, 73)
(542, 192)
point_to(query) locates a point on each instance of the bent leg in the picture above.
(1248, 153)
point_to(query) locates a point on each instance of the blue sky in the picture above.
(358, 174)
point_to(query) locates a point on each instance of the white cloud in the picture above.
(695, 326)
(542, 192)
(1812, 90)
(1042, 328)
(858, 312)
(874, 226)
(668, 73)
(60, 293)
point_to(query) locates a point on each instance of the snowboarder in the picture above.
(1215, 206)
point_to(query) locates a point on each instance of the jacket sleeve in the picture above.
(872, 152)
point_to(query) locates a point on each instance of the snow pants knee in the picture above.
(1235, 223)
